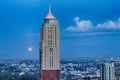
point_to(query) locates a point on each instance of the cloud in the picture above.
(109, 25)
(87, 26)
(81, 25)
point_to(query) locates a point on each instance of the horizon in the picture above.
(87, 28)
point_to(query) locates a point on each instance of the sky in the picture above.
(88, 28)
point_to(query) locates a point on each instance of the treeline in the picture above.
(7, 76)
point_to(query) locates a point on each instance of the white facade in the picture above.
(107, 71)
(50, 45)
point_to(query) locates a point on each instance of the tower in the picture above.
(49, 49)
(107, 71)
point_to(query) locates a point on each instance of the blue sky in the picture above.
(88, 28)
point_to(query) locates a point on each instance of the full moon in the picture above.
(30, 49)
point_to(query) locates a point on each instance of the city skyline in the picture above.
(86, 30)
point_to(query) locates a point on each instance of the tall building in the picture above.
(49, 49)
(107, 71)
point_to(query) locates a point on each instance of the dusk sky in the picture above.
(88, 28)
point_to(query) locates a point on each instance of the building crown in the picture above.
(50, 15)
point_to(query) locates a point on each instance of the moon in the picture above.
(30, 49)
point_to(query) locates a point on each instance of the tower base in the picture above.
(50, 75)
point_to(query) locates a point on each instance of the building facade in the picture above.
(49, 49)
(107, 71)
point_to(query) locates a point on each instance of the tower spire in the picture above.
(50, 16)
(49, 8)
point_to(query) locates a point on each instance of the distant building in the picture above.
(107, 71)
(49, 49)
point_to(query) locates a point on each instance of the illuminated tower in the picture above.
(49, 49)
